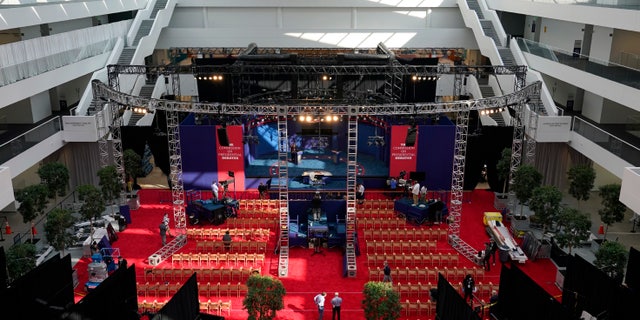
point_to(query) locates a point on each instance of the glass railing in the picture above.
(29, 139)
(618, 4)
(606, 69)
(621, 149)
(26, 3)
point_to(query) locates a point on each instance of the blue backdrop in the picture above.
(435, 153)
(199, 160)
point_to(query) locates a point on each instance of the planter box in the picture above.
(501, 201)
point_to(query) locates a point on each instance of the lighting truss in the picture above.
(377, 141)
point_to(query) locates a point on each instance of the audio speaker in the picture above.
(222, 137)
(410, 141)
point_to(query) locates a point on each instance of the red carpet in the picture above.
(308, 275)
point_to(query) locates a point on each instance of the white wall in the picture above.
(19, 112)
(601, 45)
(560, 34)
(33, 155)
(592, 106)
(72, 90)
(40, 106)
(6, 188)
(630, 187)
(616, 113)
(599, 155)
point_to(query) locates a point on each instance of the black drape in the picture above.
(522, 298)
(450, 304)
(183, 305)
(632, 279)
(4, 277)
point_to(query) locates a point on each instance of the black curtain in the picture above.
(4, 277)
(473, 162)
(115, 298)
(42, 293)
(521, 298)
(632, 278)
(588, 288)
(450, 304)
(183, 305)
(495, 140)
(137, 137)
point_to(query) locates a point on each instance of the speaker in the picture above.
(222, 137)
(410, 141)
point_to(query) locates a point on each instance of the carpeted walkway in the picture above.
(308, 274)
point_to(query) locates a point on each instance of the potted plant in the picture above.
(503, 169)
(92, 203)
(132, 167)
(265, 296)
(545, 204)
(525, 180)
(21, 258)
(611, 258)
(59, 221)
(110, 183)
(380, 302)
(575, 228)
(581, 179)
(33, 201)
(55, 176)
(612, 210)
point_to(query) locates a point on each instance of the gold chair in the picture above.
(204, 306)
(214, 307)
(225, 306)
(203, 289)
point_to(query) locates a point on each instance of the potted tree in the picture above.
(611, 258)
(92, 203)
(380, 302)
(545, 203)
(132, 167)
(581, 179)
(58, 223)
(503, 169)
(110, 184)
(575, 228)
(21, 258)
(612, 210)
(525, 180)
(55, 176)
(33, 201)
(265, 296)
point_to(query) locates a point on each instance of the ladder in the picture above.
(352, 176)
(283, 189)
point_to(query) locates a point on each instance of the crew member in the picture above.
(215, 189)
(316, 206)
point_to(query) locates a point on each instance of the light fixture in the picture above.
(377, 141)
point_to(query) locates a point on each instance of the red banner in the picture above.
(231, 159)
(402, 157)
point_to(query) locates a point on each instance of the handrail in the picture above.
(613, 144)
(15, 146)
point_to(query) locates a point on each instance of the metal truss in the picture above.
(175, 165)
(175, 84)
(517, 100)
(116, 139)
(283, 192)
(352, 180)
(103, 133)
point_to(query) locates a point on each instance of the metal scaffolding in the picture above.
(460, 108)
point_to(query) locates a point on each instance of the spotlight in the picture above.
(308, 118)
(414, 78)
(335, 118)
(210, 78)
(301, 118)
(325, 77)
(215, 78)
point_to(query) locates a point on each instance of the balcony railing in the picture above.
(29, 58)
(618, 4)
(29, 139)
(620, 148)
(605, 69)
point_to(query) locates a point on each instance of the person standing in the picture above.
(226, 240)
(163, 234)
(336, 302)
(468, 286)
(493, 250)
(262, 191)
(393, 185)
(423, 193)
(386, 271)
(360, 193)
(415, 190)
(319, 301)
(316, 206)
(214, 189)
(165, 220)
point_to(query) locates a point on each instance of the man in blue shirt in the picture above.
(336, 302)
(319, 301)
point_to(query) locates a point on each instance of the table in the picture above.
(423, 212)
(316, 177)
(99, 235)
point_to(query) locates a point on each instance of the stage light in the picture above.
(308, 118)
(335, 118)
(414, 78)
(325, 77)
(301, 118)
(210, 78)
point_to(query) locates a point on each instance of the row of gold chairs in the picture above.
(158, 289)
(376, 204)
(397, 247)
(417, 274)
(236, 246)
(151, 306)
(211, 259)
(258, 204)
(259, 213)
(253, 223)
(209, 289)
(404, 234)
(376, 213)
(413, 290)
(217, 233)
(382, 223)
(216, 307)
(204, 274)
(414, 260)
(418, 308)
